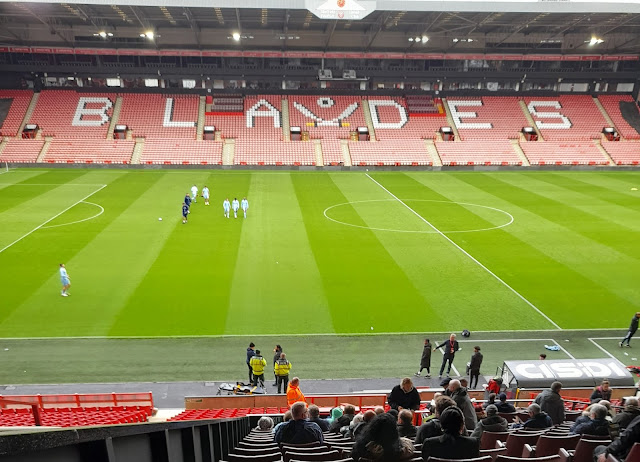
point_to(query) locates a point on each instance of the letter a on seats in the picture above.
(99, 114)
(270, 112)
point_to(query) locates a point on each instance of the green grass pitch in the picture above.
(320, 253)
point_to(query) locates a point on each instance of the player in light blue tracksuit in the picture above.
(226, 205)
(205, 194)
(235, 205)
(64, 280)
(244, 204)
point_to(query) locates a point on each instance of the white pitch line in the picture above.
(52, 218)
(563, 349)
(603, 350)
(51, 184)
(79, 221)
(469, 255)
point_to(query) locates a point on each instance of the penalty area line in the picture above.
(52, 218)
(593, 340)
(475, 260)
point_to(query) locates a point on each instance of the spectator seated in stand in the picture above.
(620, 447)
(595, 424)
(299, 430)
(551, 402)
(537, 418)
(451, 445)
(405, 424)
(433, 427)
(601, 392)
(630, 412)
(503, 406)
(348, 414)
(380, 441)
(314, 416)
(491, 400)
(265, 424)
(285, 418)
(492, 423)
(358, 429)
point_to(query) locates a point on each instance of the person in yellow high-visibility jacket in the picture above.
(258, 363)
(293, 392)
(281, 369)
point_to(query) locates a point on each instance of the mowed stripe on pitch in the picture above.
(363, 284)
(434, 262)
(185, 290)
(277, 285)
(106, 270)
(552, 259)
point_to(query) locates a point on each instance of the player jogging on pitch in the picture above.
(185, 212)
(245, 206)
(187, 201)
(205, 194)
(64, 279)
(194, 193)
(226, 205)
(235, 205)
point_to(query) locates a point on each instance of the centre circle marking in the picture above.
(432, 231)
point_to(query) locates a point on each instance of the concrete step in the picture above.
(28, 114)
(114, 117)
(137, 151)
(367, 117)
(228, 151)
(286, 126)
(518, 150)
(605, 114)
(201, 117)
(604, 152)
(317, 149)
(45, 149)
(346, 155)
(433, 153)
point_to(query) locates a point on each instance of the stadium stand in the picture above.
(563, 153)
(74, 417)
(21, 150)
(260, 120)
(494, 152)
(393, 120)
(611, 104)
(181, 151)
(17, 102)
(68, 114)
(257, 152)
(389, 152)
(89, 151)
(160, 115)
(489, 117)
(623, 152)
(332, 152)
(326, 116)
(566, 117)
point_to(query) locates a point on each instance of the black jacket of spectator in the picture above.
(493, 423)
(624, 418)
(621, 446)
(322, 423)
(399, 398)
(408, 431)
(599, 394)
(591, 427)
(299, 432)
(450, 447)
(551, 403)
(343, 421)
(425, 360)
(429, 429)
(541, 420)
(505, 407)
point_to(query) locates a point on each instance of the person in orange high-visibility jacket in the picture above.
(293, 392)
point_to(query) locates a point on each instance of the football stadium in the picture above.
(391, 230)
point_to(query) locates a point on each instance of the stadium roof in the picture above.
(518, 26)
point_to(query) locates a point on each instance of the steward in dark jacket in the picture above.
(630, 412)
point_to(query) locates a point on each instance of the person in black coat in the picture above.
(621, 446)
(404, 396)
(630, 412)
(633, 327)
(450, 348)
(474, 366)
(451, 445)
(425, 360)
(603, 392)
(596, 424)
(276, 356)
